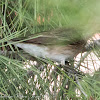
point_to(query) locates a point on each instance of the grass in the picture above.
(19, 76)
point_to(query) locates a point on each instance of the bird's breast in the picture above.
(57, 53)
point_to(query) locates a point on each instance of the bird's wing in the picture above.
(60, 36)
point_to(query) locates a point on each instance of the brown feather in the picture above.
(60, 36)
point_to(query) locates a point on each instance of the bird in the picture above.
(60, 44)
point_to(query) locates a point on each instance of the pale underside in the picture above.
(55, 53)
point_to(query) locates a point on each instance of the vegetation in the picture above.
(21, 77)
